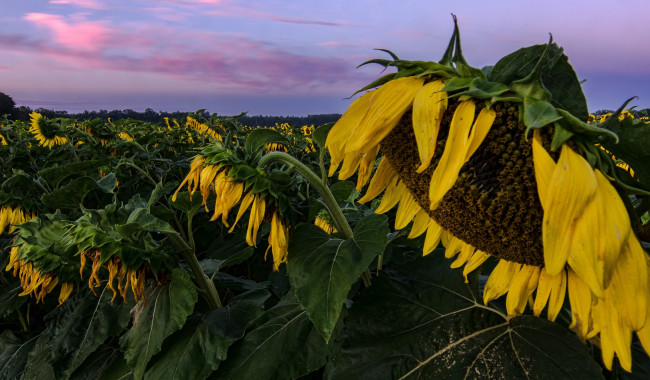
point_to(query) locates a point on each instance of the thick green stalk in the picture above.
(320, 184)
(332, 206)
(206, 286)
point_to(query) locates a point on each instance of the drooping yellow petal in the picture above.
(615, 336)
(429, 106)
(243, 206)
(544, 167)
(551, 290)
(351, 162)
(477, 259)
(258, 209)
(432, 239)
(644, 333)
(391, 196)
(452, 244)
(615, 228)
(388, 104)
(382, 178)
(522, 286)
(466, 252)
(572, 186)
(406, 210)
(66, 291)
(420, 224)
(344, 128)
(583, 254)
(278, 241)
(454, 155)
(365, 167)
(480, 129)
(629, 285)
(581, 299)
(499, 281)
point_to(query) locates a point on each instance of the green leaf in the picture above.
(320, 134)
(54, 175)
(141, 220)
(184, 204)
(13, 354)
(108, 183)
(558, 76)
(85, 323)
(231, 321)
(9, 299)
(71, 194)
(633, 147)
(284, 345)
(342, 190)
(422, 321)
(322, 269)
(259, 137)
(192, 353)
(166, 310)
(539, 113)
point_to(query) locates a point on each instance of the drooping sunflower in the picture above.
(218, 171)
(45, 132)
(497, 165)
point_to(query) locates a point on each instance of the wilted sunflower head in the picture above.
(493, 162)
(47, 132)
(232, 177)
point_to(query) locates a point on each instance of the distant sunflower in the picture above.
(44, 132)
(462, 168)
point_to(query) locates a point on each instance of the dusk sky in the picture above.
(292, 57)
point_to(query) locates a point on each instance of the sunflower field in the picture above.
(455, 222)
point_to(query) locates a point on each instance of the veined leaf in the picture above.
(421, 321)
(322, 269)
(166, 311)
(285, 344)
(13, 354)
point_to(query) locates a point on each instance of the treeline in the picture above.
(149, 115)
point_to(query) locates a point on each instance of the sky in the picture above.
(293, 57)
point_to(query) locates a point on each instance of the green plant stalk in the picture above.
(206, 286)
(330, 203)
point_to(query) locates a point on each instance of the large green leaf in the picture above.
(192, 353)
(633, 147)
(320, 134)
(71, 194)
(322, 269)
(557, 74)
(166, 310)
(13, 354)
(259, 137)
(284, 345)
(87, 323)
(10, 299)
(342, 190)
(421, 321)
(141, 220)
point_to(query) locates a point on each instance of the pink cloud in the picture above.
(80, 3)
(83, 35)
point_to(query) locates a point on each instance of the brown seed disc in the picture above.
(494, 204)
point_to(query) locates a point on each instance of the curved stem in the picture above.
(331, 204)
(205, 285)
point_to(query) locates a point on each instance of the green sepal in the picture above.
(483, 89)
(560, 136)
(376, 83)
(532, 85)
(538, 113)
(579, 127)
(457, 83)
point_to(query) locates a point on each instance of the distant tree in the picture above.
(7, 104)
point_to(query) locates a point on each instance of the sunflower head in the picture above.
(503, 162)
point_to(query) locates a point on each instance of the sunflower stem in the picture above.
(332, 206)
(207, 287)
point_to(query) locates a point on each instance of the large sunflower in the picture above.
(45, 132)
(498, 169)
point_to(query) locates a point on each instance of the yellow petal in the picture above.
(581, 299)
(615, 336)
(629, 285)
(480, 129)
(420, 224)
(351, 162)
(366, 166)
(388, 105)
(572, 186)
(344, 128)
(522, 286)
(66, 290)
(452, 244)
(243, 206)
(454, 155)
(477, 259)
(544, 167)
(551, 290)
(499, 281)
(406, 210)
(391, 196)
(382, 178)
(432, 239)
(466, 252)
(583, 254)
(429, 106)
